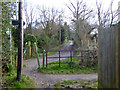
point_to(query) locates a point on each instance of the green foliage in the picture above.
(26, 83)
(30, 37)
(89, 59)
(73, 65)
(43, 41)
(93, 36)
(54, 40)
(63, 34)
(78, 84)
(7, 12)
(7, 67)
(15, 36)
(10, 67)
(11, 82)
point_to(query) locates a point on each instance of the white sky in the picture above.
(60, 4)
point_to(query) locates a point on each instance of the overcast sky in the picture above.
(61, 4)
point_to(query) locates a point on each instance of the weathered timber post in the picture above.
(29, 50)
(20, 43)
(46, 58)
(37, 55)
(59, 58)
(43, 58)
(71, 55)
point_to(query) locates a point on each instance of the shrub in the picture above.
(30, 37)
(54, 41)
(43, 41)
(72, 65)
(89, 59)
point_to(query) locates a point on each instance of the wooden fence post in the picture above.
(59, 58)
(20, 43)
(71, 55)
(46, 58)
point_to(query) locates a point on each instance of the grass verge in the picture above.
(68, 68)
(10, 81)
(55, 49)
(78, 84)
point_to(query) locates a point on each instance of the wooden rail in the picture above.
(59, 56)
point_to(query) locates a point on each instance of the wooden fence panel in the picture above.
(119, 52)
(107, 57)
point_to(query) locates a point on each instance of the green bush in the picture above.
(89, 59)
(43, 41)
(30, 37)
(15, 36)
(10, 67)
(54, 41)
(73, 65)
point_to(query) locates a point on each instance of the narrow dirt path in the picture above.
(48, 80)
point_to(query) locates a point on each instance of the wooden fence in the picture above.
(85, 56)
(109, 58)
(59, 56)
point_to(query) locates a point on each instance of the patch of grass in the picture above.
(68, 68)
(55, 49)
(79, 83)
(11, 82)
(24, 66)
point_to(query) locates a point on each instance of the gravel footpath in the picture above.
(48, 80)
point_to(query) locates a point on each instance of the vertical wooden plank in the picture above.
(106, 62)
(46, 58)
(113, 60)
(119, 52)
(103, 57)
(109, 50)
(71, 55)
(117, 59)
(109, 57)
(59, 58)
(106, 56)
(99, 57)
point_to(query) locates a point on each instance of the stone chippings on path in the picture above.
(48, 80)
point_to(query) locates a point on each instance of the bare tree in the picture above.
(108, 16)
(51, 20)
(80, 14)
(29, 16)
